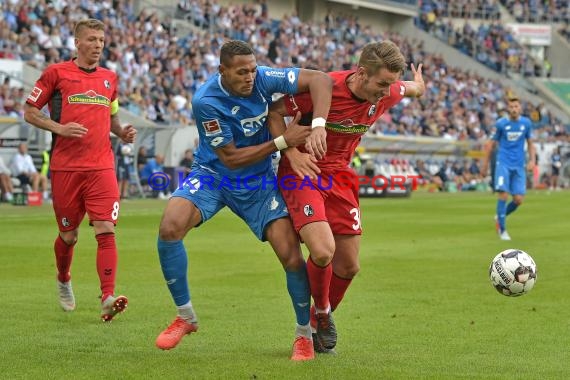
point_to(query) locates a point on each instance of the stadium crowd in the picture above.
(490, 43)
(534, 11)
(160, 71)
(546, 11)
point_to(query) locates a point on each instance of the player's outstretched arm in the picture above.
(417, 87)
(38, 119)
(319, 85)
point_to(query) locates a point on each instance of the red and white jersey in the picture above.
(84, 97)
(349, 118)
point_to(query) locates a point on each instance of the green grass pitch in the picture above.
(422, 306)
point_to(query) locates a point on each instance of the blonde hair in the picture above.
(382, 55)
(90, 23)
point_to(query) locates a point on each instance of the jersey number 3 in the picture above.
(356, 215)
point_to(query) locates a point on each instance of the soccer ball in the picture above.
(513, 272)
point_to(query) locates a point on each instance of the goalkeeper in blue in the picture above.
(235, 143)
(510, 135)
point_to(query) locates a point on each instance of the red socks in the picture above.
(106, 263)
(319, 281)
(337, 289)
(63, 258)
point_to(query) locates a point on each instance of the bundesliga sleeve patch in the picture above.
(402, 90)
(35, 94)
(212, 127)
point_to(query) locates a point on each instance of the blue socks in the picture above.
(511, 207)
(503, 210)
(501, 213)
(174, 264)
(298, 287)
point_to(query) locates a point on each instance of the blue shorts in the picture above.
(256, 200)
(510, 179)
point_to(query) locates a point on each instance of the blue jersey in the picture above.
(511, 136)
(222, 118)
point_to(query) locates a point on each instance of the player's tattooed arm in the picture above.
(126, 133)
(38, 119)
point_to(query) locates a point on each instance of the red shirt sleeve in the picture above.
(43, 89)
(298, 103)
(397, 91)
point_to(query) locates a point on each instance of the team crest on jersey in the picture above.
(89, 97)
(106, 83)
(372, 110)
(308, 210)
(211, 127)
(35, 94)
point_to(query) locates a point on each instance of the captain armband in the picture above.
(114, 107)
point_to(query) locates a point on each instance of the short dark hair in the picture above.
(232, 48)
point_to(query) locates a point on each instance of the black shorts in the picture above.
(24, 179)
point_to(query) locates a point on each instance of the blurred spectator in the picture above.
(22, 167)
(6, 188)
(556, 165)
(125, 160)
(152, 174)
(141, 158)
(186, 162)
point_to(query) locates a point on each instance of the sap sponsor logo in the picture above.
(252, 125)
(514, 136)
